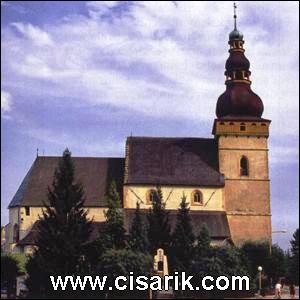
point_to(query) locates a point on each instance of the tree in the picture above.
(9, 273)
(293, 264)
(203, 242)
(159, 227)
(217, 261)
(21, 259)
(183, 238)
(126, 263)
(257, 254)
(63, 232)
(113, 235)
(277, 264)
(138, 240)
(272, 260)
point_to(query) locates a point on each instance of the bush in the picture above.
(21, 259)
(120, 263)
(9, 273)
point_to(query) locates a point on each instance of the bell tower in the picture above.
(242, 136)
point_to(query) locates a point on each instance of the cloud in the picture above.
(102, 8)
(6, 102)
(35, 34)
(79, 144)
(284, 154)
(159, 58)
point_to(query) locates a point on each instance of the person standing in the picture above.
(292, 291)
(278, 290)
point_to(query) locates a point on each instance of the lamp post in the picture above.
(259, 279)
(280, 231)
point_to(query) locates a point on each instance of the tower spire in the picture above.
(238, 99)
(234, 15)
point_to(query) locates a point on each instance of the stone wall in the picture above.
(250, 227)
(247, 197)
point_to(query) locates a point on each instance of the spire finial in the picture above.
(234, 16)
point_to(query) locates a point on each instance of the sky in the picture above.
(86, 75)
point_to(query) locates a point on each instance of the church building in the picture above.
(225, 178)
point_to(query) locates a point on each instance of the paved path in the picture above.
(284, 295)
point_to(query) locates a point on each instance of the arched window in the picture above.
(151, 196)
(244, 166)
(16, 234)
(242, 127)
(197, 198)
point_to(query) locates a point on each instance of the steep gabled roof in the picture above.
(172, 161)
(95, 174)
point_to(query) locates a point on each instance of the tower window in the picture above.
(27, 210)
(253, 124)
(197, 198)
(263, 124)
(231, 123)
(244, 166)
(242, 127)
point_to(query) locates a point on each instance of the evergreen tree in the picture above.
(203, 242)
(183, 238)
(293, 269)
(63, 232)
(159, 227)
(138, 240)
(113, 235)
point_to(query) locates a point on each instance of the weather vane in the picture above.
(234, 8)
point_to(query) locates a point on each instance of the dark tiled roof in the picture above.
(95, 174)
(32, 235)
(172, 161)
(216, 221)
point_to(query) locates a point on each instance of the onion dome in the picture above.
(238, 99)
(235, 35)
(237, 61)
